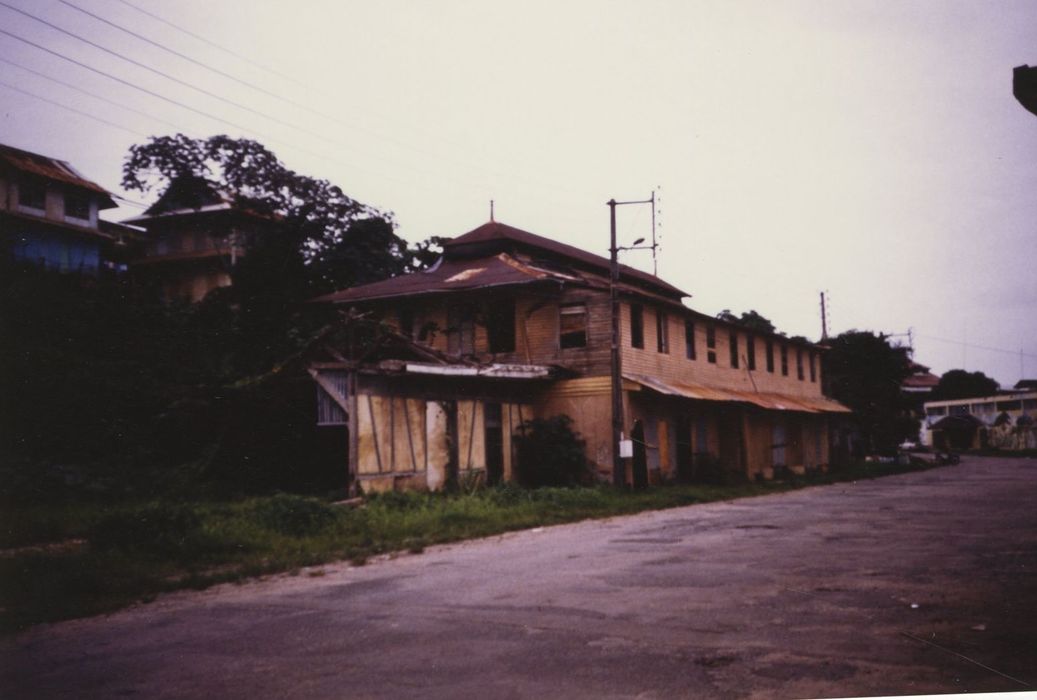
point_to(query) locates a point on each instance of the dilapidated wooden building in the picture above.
(509, 325)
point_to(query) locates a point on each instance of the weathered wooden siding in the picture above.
(674, 365)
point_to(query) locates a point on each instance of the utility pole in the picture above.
(618, 472)
(824, 319)
(618, 468)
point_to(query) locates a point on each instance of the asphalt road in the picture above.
(921, 583)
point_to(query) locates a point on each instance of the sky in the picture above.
(870, 150)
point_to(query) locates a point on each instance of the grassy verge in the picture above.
(61, 562)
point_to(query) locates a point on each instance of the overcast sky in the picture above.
(870, 149)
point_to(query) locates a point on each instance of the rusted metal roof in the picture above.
(446, 276)
(51, 169)
(498, 237)
(769, 401)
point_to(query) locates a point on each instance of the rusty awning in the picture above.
(768, 401)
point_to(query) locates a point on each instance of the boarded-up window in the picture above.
(662, 332)
(637, 326)
(329, 412)
(689, 339)
(572, 323)
(500, 326)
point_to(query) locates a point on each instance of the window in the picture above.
(734, 350)
(936, 411)
(799, 364)
(784, 360)
(1009, 405)
(959, 410)
(572, 325)
(711, 344)
(770, 356)
(32, 195)
(689, 338)
(1029, 404)
(813, 368)
(500, 326)
(460, 330)
(637, 326)
(407, 322)
(662, 332)
(750, 351)
(77, 206)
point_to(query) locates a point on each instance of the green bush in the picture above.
(295, 516)
(550, 453)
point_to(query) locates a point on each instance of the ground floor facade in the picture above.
(424, 430)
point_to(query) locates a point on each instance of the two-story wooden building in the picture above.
(194, 236)
(49, 213)
(518, 326)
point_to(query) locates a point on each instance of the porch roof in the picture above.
(769, 401)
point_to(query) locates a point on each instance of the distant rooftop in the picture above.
(51, 169)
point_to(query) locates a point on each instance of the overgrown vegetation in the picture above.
(64, 561)
(550, 453)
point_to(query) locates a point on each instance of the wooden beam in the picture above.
(331, 390)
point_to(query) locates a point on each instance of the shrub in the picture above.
(295, 516)
(550, 453)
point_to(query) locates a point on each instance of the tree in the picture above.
(960, 384)
(750, 320)
(865, 372)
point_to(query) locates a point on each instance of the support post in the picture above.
(354, 439)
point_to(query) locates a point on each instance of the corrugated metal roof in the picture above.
(51, 169)
(494, 232)
(769, 401)
(447, 276)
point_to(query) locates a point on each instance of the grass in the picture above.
(75, 560)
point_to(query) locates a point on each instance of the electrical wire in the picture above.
(70, 86)
(73, 109)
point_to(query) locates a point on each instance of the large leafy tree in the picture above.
(324, 238)
(960, 384)
(865, 372)
(751, 320)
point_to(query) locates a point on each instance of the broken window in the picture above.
(637, 326)
(689, 339)
(572, 325)
(711, 344)
(734, 349)
(662, 332)
(500, 326)
(460, 330)
(750, 351)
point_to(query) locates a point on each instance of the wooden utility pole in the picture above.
(618, 471)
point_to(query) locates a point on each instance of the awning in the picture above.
(496, 371)
(771, 402)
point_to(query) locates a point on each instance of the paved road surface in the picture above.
(805, 594)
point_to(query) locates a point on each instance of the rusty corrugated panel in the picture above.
(769, 401)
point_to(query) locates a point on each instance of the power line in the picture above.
(163, 74)
(213, 44)
(977, 347)
(72, 109)
(87, 93)
(469, 164)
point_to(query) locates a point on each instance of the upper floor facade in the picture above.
(506, 296)
(49, 212)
